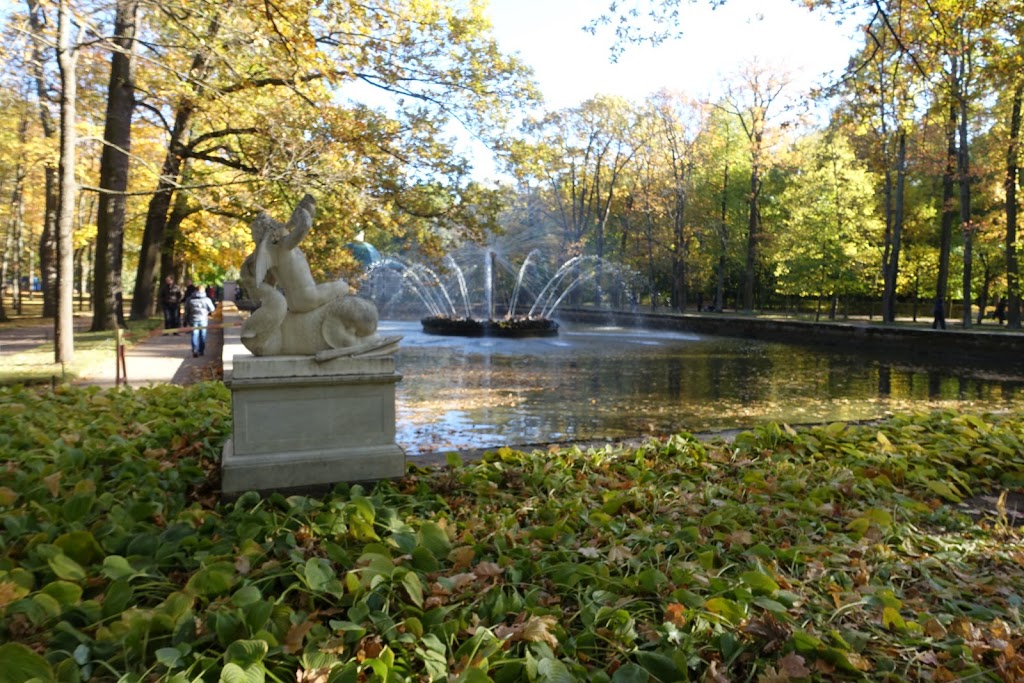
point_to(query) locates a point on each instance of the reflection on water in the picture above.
(610, 382)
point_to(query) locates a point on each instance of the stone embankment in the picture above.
(984, 345)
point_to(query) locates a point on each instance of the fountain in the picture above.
(598, 382)
(466, 297)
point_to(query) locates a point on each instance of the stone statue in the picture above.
(298, 316)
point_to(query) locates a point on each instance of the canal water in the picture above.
(595, 383)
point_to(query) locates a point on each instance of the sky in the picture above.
(572, 65)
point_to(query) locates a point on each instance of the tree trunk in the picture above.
(679, 254)
(723, 238)
(64, 346)
(1010, 183)
(948, 211)
(888, 281)
(753, 228)
(172, 234)
(651, 269)
(5, 263)
(963, 167)
(153, 238)
(892, 266)
(19, 249)
(47, 240)
(114, 162)
(11, 269)
(985, 282)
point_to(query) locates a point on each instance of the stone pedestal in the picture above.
(302, 424)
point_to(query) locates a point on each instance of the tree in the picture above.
(953, 32)
(892, 95)
(440, 64)
(1008, 79)
(750, 104)
(880, 93)
(48, 236)
(828, 239)
(947, 46)
(114, 163)
(64, 347)
(1010, 186)
(723, 157)
(581, 156)
(153, 238)
(13, 178)
(670, 151)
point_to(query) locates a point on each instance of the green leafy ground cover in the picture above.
(832, 553)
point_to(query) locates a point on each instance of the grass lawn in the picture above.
(35, 364)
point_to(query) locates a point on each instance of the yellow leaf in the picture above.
(7, 496)
(462, 557)
(858, 662)
(313, 675)
(53, 483)
(739, 537)
(945, 490)
(536, 629)
(933, 628)
(794, 666)
(9, 592)
(892, 620)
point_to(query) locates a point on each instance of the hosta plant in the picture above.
(839, 552)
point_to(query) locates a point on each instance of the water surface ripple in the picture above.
(607, 383)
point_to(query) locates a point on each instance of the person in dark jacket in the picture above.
(939, 315)
(1000, 313)
(199, 307)
(187, 293)
(170, 300)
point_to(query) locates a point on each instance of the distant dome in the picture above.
(364, 252)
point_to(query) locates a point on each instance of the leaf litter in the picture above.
(885, 551)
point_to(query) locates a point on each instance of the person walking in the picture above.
(186, 294)
(170, 300)
(1000, 313)
(199, 308)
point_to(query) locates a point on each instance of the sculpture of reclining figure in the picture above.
(297, 315)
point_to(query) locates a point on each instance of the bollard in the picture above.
(121, 373)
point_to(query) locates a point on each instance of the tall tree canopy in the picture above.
(244, 106)
(908, 182)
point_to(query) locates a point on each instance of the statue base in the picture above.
(300, 424)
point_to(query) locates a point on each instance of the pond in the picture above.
(596, 383)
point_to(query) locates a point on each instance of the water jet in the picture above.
(478, 293)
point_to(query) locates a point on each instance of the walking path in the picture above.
(166, 358)
(162, 358)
